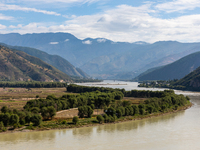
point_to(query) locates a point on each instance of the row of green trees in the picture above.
(133, 93)
(32, 84)
(152, 105)
(94, 99)
(16, 118)
(82, 89)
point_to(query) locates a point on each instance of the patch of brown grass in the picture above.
(134, 100)
(17, 97)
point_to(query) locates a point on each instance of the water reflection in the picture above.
(134, 125)
(87, 131)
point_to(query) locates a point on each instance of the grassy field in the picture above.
(17, 97)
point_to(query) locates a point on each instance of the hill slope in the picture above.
(17, 65)
(54, 60)
(176, 70)
(191, 81)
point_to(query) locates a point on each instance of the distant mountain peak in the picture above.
(141, 43)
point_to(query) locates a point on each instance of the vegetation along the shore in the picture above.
(39, 113)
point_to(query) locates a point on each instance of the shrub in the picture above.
(64, 122)
(100, 118)
(75, 120)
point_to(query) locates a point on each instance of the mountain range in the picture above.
(102, 58)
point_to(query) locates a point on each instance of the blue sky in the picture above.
(117, 20)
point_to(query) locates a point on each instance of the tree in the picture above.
(75, 120)
(92, 106)
(4, 109)
(89, 112)
(22, 121)
(14, 119)
(1, 117)
(85, 111)
(52, 111)
(6, 119)
(142, 111)
(36, 119)
(135, 109)
(111, 111)
(1, 126)
(35, 110)
(45, 113)
(127, 111)
(100, 118)
(150, 109)
(119, 113)
(28, 118)
(106, 118)
(81, 111)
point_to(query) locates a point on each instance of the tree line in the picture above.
(94, 99)
(133, 93)
(32, 84)
(170, 101)
(17, 118)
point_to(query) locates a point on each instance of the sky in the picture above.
(116, 20)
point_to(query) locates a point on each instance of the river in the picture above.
(178, 131)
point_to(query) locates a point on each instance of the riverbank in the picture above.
(87, 122)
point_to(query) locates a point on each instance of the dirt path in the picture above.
(70, 113)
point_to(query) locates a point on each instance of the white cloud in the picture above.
(62, 1)
(126, 24)
(87, 42)
(15, 27)
(3, 17)
(54, 43)
(178, 5)
(19, 8)
(2, 27)
(66, 40)
(101, 40)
